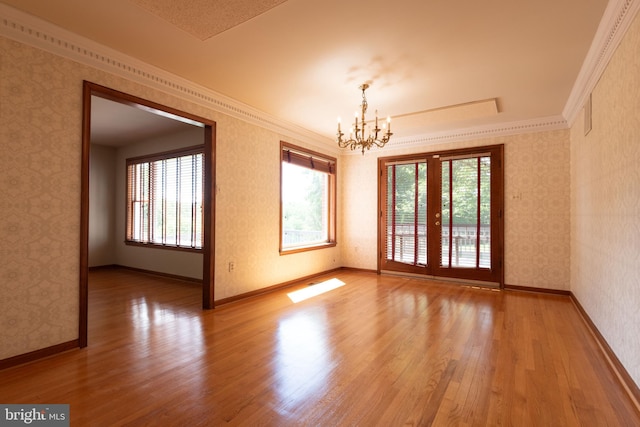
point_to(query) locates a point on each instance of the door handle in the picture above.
(437, 222)
(438, 215)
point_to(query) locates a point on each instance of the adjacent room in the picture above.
(199, 229)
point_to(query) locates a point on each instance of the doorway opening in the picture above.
(95, 92)
(441, 214)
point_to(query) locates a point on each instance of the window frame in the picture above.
(149, 158)
(315, 161)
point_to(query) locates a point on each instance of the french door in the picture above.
(441, 214)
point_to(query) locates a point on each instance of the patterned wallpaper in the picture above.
(536, 206)
(40, 116)
(40, 159)
(605, 205)
(248, 214)
(595, 247)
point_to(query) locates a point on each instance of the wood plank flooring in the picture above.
(378, 351)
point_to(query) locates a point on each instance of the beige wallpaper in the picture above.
(536, 206)
(40, 115)
(40, 134)
(248, 212)
(595, 248)
(605, 205)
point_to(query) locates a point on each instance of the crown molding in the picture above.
(614, 24)
(32, 31)
(479, 132)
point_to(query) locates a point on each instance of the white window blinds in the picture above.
(165, 199)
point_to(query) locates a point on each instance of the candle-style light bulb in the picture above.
(339, 120)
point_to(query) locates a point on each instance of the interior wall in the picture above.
(40, 159)
(248, 214)
(536, 218)
(180, 263)
(40, 130)
(605, 205)
(102, 213)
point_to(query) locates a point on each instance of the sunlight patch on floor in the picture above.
(314, 290)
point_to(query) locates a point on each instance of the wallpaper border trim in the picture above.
(615, 22)
(32, 31)
(473, 133)
(35, 32)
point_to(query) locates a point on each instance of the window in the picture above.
(164, 199)
(307, 200)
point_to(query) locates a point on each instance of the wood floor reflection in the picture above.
(380, 350)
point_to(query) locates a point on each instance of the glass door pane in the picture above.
(406, 213)
(466, 212)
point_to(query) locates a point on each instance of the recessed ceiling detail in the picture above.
(529, 71)
(459, 113)
(206, 18)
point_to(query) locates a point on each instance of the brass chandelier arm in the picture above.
(362, 143)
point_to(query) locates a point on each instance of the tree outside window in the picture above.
(307, 200)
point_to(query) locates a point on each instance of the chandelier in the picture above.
(358, 137)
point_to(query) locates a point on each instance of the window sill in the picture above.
(159, 246)
(298, 249)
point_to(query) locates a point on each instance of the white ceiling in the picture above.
(433, 65)
(114, 124)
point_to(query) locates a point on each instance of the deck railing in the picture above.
(464, 241)
(294, 237)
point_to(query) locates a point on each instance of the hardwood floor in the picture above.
(380, 350)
